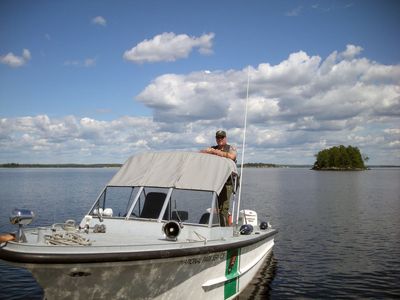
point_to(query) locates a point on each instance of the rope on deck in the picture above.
(67, 239)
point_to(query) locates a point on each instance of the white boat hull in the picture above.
(218, 275)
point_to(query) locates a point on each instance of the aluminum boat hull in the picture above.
(211, 274)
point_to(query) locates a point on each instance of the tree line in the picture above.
(259, 165)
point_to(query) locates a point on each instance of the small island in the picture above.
(340, 158)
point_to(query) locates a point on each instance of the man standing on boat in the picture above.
(222, 148)
(225, 150)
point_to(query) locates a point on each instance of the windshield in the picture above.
(186, 206)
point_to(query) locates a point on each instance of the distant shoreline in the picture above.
(15, 165)
(268, 165)
(115, 165)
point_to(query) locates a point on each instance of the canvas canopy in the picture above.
(181, 170)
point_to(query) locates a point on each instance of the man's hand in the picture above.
(209, 151)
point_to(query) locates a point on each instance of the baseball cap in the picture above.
(220, 133)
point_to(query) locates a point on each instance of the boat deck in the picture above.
(129, 239)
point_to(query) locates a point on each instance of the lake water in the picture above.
(339, 232)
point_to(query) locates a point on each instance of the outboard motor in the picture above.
(247, 216)
(21, 217)
(172, 229)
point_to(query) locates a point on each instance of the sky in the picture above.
(98, 81)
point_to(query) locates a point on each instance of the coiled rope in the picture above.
(67, 239)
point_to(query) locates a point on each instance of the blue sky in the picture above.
(97, 81)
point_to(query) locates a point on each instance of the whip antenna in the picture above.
(244, 143)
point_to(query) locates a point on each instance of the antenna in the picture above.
(243, 146)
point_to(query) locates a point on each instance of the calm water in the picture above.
(339, 233)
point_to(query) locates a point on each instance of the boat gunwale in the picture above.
(73, 258)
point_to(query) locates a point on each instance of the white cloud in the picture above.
(89, 62)
(351, 51)
(68, 139)
(169, 47)
(296, 102)
(294, 12)
(296, 108)
(99, 20)
(15, 61)
(86, 63)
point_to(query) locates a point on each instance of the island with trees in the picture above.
(340, 158)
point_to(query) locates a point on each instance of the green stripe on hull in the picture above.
(231, 273)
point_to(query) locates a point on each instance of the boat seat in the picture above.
(205, 218)
(152, 205)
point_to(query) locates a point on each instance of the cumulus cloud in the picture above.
(297, 102)
(99, 20)
(169, 47)
(295, 108)
(15, 61)
(70, 139)
(351, 51)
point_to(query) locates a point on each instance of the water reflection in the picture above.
(260, 286)
(18, 284)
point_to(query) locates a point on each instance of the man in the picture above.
(222, 148)
(225, 150)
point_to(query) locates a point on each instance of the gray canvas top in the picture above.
(182, 170)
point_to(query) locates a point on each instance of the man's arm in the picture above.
(231, 154)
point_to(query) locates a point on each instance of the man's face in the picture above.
(221, 141)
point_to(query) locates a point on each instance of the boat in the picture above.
(154, 232)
